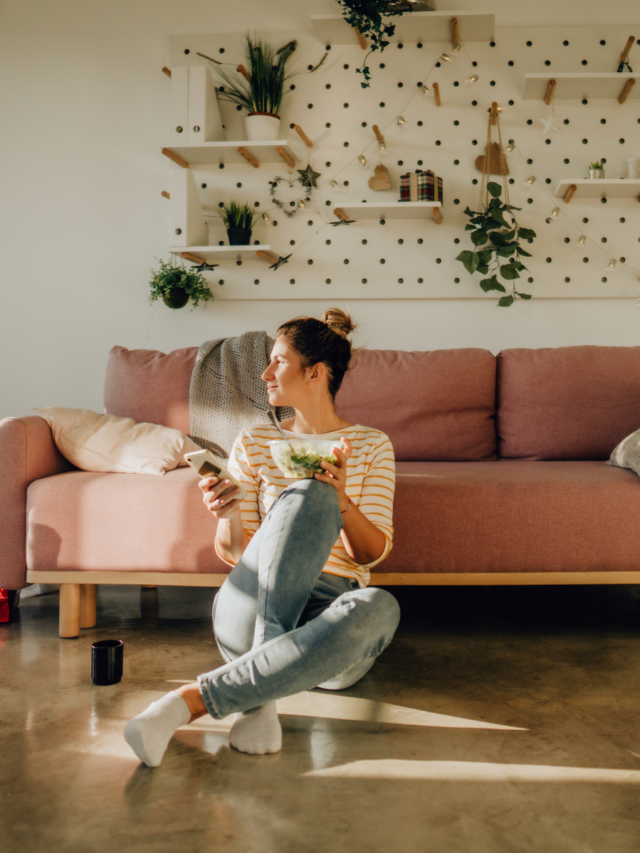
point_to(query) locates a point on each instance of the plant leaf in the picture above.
(469, 259)
(479, 238)
(509, 272)
(526, 234)
(521, 251)
(524, 295)
(494, 189)
(505, 302)
(492, 283)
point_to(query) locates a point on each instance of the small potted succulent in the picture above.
(175, 285)
(259, 87)
(596, 170)
(238, 218)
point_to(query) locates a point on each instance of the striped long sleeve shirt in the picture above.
(370, 485)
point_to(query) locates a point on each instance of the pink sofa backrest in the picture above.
(434, 406)
(149, 386)
(566, 402)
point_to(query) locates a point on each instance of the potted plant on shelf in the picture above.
(175, 285)
(596, 170)
(259, 87)
(238, 218)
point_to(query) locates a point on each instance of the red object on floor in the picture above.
(4, 605)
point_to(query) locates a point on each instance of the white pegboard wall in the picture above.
(416, 259)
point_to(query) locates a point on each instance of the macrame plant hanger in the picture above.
(494, 161)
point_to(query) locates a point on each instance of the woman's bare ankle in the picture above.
(192, 696)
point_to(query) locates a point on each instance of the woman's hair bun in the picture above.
(339, 321)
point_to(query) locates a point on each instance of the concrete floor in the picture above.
(498, 721)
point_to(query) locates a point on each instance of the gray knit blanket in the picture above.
(226, 392)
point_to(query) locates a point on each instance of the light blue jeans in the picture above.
(283, 624)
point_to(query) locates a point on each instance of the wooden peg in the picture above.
(249, 157)
(436, 94)
(175, 157)
(549, 93)
(165, 194)
(339, 212)
(377, 132)
(288, 159)
(361, 39)
(437, 215)
(244, 72)
(494, 112)
(569, 193)
(627, 88)
(167, 71)
(190, 256)
(266, 255)
(455, 35)
(303, 136)
(625, 53)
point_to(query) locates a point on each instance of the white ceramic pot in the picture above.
(596, 173)
(262, 127)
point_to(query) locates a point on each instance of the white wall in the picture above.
(83, 108)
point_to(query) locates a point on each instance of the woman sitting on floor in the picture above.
(295, 612)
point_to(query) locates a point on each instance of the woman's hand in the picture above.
(336, 475)
(222, 506)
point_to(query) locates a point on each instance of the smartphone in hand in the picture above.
(207, 464)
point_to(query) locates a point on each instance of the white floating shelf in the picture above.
(391, 210)
(577, 86)
(412, 27)
(221, 253)
(597, 188)
(198, 154)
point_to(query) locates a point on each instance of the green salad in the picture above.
(300, 459)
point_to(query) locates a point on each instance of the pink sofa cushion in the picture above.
(514, 516)
(436, 405)
(149, 386)
(566, 402)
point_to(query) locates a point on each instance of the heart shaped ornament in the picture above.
(381, 179)
(496, 158)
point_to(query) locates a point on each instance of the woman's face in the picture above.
(285, 378)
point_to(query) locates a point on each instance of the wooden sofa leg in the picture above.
(69, 610)
(88, 605)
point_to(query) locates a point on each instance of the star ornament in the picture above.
(552, 123)
(204, 266)
(280, 262)
(308, 177)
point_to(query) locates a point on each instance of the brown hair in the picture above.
(322, 341)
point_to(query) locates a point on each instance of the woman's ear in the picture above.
(316, 373)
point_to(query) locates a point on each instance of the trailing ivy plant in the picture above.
(367, 17)
(496, 236)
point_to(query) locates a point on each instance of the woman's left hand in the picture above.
(336, 475)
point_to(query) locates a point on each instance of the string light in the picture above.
(553, 216)
(530, 180)
(402, 124)
(510, 147)
(301, 205)
(457, 48)
(471, 79)
(266, 219)
(382, 146)
(362, 160)
(426, 90)
(611, 265)
(445, 57)
(581, 241)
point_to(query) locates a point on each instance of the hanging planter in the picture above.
(495, 232)
(176, 285)
(259, 87)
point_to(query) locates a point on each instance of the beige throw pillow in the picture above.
(108, 443)
(627, 453)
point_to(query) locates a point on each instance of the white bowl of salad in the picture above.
(300, 458)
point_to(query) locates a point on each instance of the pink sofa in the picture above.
(500, 461)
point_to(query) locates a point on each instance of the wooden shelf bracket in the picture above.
(361, 39)
(249, 158)
(303, 136)
(166, 71)
(339, 212)
(165, 194)
(190, 256)
(436, 94)
(625, 92)
(268, 256)
(288, 159)
(437, 215)
(624, 56)
(549, 93)
(569, 193)
(175, 157)
(455, 35)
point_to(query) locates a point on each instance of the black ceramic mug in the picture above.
(106, 661)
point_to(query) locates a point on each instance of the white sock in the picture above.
(257, 731)
(149, 733)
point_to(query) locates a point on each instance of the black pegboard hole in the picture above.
(603, 239)
(566, 160)
(530, 280)
(547, 62)
(455, 83)
(187, 51)
(382, 104)
(547, 142)
(492, 44)
(549, 260)
(327, 281)
(456, 123)
(585, 220)
(328, 124)
(474, 141)
(456, 239)
(221, 281)
(565, 43)
(584, 62)
(585, 260)
(220, 165)
(310, 261)
(529, 121)
(420, 241)
(474, 181)
(584, 102)
(456, 162)
(309, 106)
(256, 281)
(327, 242)
(529, 43)
(420, 123)
(346, 261)
(621, 141)
(328, 86)
(530, 161)
(585, 141)
(382, 261)
(567, 279)
(346, 106)
(420, 280)
(292, 281)
(510, 63)
(400, 241)
(400, 281)
(364, 242)
(364, 280)
(400, 85)
(567, 239)
(475, 104)
(623, 260)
